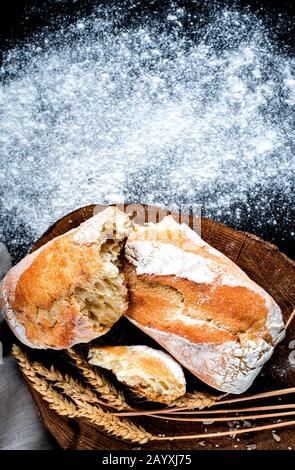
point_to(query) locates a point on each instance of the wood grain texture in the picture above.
(265, 265)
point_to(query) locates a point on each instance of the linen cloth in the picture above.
(21, 427)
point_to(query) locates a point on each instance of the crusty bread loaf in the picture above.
(200, 306)
(70, 290)
(151, 373)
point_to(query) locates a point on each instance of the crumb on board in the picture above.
(251, 447)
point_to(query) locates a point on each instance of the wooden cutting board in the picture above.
(265, 265)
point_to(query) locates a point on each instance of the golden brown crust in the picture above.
(156, 301)
(149, 363)
(46, 296)
(57, 270)
(200, 306)
(151, 373)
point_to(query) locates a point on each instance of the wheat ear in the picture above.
(58, 403)
(107, 391)
(196, 400)
(67, 384)
(124, 429)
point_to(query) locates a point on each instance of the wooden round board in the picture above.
(265, 265)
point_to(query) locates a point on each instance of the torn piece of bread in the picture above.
(149, 372)
(70, 290)
(200, 306)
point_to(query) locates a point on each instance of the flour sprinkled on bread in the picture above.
(200, 306)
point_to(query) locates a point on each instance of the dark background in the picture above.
(19, 19)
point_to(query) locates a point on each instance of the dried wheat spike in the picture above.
(118, 427)
(196, 400)
(61, 405)
(124, 429)
(50, 374)
(107, 391)
(65, 383)
(75, 389)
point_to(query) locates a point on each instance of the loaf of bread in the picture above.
(70, 290)
(200, 306)
(149, 372)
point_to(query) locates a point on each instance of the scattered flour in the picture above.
(97, 113)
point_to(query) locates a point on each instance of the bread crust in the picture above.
(200, 306)
(144, 369)
(38, 295)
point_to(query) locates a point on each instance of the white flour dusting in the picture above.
(94, 114)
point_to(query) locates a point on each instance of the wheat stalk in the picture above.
(67, 384)
(225, 419)
(112, 424)
(290, 319)
(61, 405)
(107, 391)
(236, 411)
(196, 400)
(189, 401)
(76, 390)
(50, 374)
(233, 432)
(124, 429)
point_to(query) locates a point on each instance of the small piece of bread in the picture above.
(70, 290)
(149, 372)
(200, 306)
